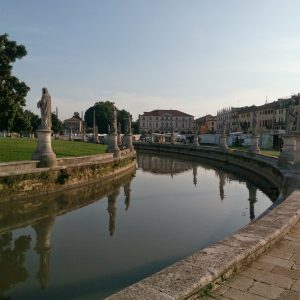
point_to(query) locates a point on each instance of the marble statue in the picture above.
(291, 117)
(45, 106)
(254, 124)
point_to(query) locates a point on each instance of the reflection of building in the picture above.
(162, 165)
(162, 121)
(42, 248)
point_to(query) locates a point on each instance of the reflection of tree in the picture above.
(12, 257)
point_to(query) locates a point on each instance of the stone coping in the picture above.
(217, 262)
(30, 166)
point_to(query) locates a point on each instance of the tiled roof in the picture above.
(73, 119)
(162, 112)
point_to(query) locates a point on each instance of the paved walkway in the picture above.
(274, 275)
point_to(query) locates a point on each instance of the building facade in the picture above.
(207, 124)
(162, 121)
(270, 117)
(74, 123)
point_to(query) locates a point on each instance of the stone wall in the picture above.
(75, 172)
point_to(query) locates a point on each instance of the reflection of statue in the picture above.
(252, 199)
(42, 248)
(112, 208)
(12, 259)
(254, 123)
(291, 116)
(221, 185)
(45, 105)
(127, 191)
(195, 174)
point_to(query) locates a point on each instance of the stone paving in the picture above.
(274, 275)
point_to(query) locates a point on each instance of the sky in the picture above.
(195, 56)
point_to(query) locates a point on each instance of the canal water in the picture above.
(90, 242)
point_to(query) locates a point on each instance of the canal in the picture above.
(90, 242)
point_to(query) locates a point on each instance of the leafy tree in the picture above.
(103, 114)
(76, 115)
(12, 91)
(22, 122)
(135, 127)
(57, 125)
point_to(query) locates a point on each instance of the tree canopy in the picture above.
(103, 115)
(12, 90)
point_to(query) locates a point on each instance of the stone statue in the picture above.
(254, 123)
(291, 117)
(45, 105)
(113, 124)
(223, 127)
(128, 126)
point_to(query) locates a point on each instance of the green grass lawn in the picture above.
(16, 149)
(263, 151)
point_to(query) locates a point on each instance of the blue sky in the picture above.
(195, 56)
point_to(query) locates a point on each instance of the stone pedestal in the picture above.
(254, 145)
(223, 142)
(288, 151)
(128, 141)
(113, 144)
(44, 152)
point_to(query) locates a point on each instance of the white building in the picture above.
(162, 121)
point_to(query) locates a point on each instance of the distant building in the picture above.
(162, 121)
(207, 124)
(228, 116)
(270, 117)
(74, 123)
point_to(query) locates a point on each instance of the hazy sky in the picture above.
(195, 56)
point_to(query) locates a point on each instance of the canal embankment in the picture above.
(24, 179)
(206, 268)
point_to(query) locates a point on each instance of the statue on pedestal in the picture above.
(291, 117)
(254, 124)
(45, 106)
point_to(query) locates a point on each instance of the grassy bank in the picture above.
(16, 149)
(263, 151)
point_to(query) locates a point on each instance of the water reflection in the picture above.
(173, 189)
(43, 245)
(41, 216)
(12, 259)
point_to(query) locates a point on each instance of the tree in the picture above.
(76, 115)
(103, 114)
(57, 125)
(135, 127)
(12, 91)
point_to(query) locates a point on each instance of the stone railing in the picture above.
(217, 262)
